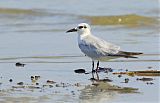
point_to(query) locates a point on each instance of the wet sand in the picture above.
(48, 81)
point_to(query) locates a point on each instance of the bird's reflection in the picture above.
(97, 92)
(95, 78)
(102, 90)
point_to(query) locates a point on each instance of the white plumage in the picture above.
(96, 48)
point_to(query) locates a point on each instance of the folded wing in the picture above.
(102, 46)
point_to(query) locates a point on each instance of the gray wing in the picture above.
(102, 46)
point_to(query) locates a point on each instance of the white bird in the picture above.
(96, 48)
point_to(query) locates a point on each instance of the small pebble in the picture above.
(50, 81)
(149, 67)
(37, 77)
(57, 85)
(79, 71)
(73, 93)
(10, 80)
(32, 77)
(119, 76)
(37, 83)
(149, 83)
(63, 85)
(77, 84)
(18, 64)
(50, 86)
(126, 80)
(20, 83)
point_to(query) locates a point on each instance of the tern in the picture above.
(97, 48)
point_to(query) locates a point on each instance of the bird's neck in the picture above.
(84, 33)
(82, 36)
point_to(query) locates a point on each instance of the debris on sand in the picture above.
(34, 79)
(20, 83)
(37, 83)
(140, 73)
(37, 77)
(10, 80)
(132, 74)
(147, 73)
(79, 71)
(145, 79)
(20, 86)
(50, 82)
(33, 87)
(119, 75)
(18, 64)
(25, 86)
(46, 85)
(126, 80)
(105, 70)
(63, 85)
(149, 83)
(77, 84)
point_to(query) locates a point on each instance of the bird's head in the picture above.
(82, 28)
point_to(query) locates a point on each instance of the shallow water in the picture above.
(33, 32)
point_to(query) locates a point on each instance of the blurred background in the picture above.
(37, 27)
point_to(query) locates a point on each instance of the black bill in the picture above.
(71, 30)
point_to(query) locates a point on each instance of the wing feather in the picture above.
(101, 45)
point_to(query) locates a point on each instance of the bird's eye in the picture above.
(80, 27)
(85, 27)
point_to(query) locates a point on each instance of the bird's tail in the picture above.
(129, 54)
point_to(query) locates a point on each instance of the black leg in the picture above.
(92, 66)
(97, 66)
(92, 69)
